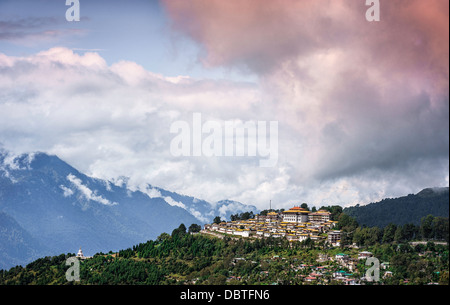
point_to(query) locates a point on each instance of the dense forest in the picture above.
(186, 257)
(402, 210)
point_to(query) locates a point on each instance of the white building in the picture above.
(80, 255)
(296, 214)
(243, 233)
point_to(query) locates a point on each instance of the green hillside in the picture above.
(183, 258)
(403, 210)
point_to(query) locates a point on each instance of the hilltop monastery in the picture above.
(295, 224)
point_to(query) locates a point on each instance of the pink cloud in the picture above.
(355, 94)
(412, 35)
(242, 31)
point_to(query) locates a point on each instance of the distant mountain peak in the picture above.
(431, 191)
(61, 208)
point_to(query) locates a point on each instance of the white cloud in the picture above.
(8, 175)
(173, 202)
(199, 215)
(111, 121)
(155, 193)
(67, 191)
(87, 192)
(12, 161)
(151, 192)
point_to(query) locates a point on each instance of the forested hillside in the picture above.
(402, 210)
(183, 258)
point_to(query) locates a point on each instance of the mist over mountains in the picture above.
(48, 207)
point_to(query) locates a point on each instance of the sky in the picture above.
(362, 108)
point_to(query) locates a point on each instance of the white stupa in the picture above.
(80, 254)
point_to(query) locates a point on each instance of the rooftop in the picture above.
(299, 210)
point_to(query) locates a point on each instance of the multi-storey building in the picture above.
(320, 216)
(295, 214)
(334, 237)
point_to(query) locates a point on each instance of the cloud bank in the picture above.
(362, 107)
(363, 99)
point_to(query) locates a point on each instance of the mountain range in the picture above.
(48, 207)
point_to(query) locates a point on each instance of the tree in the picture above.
(426, 227)
(164, 236)
(399, 235)
(375, 235)
(335, 211)
(358, 237)
(193, 228)
(389, 233)
(308, 243)
(242, 216)
(219, 279)
(347, 222)
(443, 278)
(410, 231)
(419, 248)
(348, 225)
(180, 231)
(246, 215)
(367, 236)
(304, 206)
(440, 228)
(217, 220)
